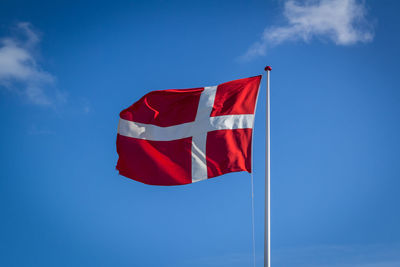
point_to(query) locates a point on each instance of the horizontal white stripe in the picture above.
(227, 122)
(157, 133)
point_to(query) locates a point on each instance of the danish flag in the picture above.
(175, 137)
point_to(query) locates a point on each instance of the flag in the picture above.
(175, 137)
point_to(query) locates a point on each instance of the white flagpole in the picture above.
(267, 222)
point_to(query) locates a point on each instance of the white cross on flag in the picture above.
(175, 137)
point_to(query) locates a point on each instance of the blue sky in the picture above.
(68, 68)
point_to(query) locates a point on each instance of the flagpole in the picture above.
(267, 222)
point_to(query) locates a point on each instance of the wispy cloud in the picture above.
(20, 72)
(34, 130)
(362, 255)
(231, 259)
(343, 255)
(343, 22)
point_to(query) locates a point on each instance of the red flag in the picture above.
(175, 137)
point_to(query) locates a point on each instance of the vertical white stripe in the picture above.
(199, 141)
(199, 164)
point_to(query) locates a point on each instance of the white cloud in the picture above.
(20, 71)
(343, 22)
(35, 130)
(349, 255)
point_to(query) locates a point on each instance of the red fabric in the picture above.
(155, 162)
(228, 151)
(236, 97)
(165, 107)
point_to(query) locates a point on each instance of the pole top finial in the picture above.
(268, 68)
